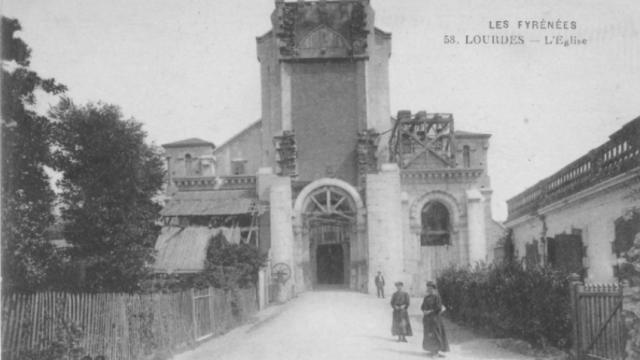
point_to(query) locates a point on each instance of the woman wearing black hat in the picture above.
(435, 337)
(401, 326)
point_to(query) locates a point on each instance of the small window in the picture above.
(238, 167)
(466, 156)
(436, 225)
(188, 165)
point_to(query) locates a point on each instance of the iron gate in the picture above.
(598, 324)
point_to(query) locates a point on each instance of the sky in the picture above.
(188, 68)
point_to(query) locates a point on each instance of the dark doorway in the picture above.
(330, 264)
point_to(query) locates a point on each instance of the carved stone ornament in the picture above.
(321, 29)
(287, 154)
(366, 150)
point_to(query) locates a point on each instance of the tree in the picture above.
(109, 178)
(27, 198)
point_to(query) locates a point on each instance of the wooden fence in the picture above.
(598, 325)
(117, 326)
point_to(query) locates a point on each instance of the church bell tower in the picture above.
(324, 80)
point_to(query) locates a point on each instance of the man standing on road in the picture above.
(380, 284)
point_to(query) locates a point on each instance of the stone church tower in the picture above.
(346, 189)
(324, 70)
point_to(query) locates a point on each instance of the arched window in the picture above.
(188, 163)
(436, 225)
(466, 156)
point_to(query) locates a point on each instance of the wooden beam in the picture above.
(313, 198)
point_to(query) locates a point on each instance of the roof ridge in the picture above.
(239, 133)
(193, 141)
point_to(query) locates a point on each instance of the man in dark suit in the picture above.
(380, 284)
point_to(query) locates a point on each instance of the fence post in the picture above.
(211, 307)
(574, 283)
(260, 290)
(193, 314)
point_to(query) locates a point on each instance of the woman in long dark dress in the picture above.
(435, 337)
(401, 326)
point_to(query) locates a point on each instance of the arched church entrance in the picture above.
(330, 245)
(330, 218)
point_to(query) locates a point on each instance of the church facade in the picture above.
(332, 185)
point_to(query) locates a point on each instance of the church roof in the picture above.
(238, 134)
(188, 142)
(211, 203)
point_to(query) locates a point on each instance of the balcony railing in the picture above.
(615, 157)
(237, 182)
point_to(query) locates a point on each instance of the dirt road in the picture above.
(336, 324)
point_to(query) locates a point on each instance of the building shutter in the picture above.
(565, 253)
(532, 255)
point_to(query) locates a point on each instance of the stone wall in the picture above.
(384, 226)
(424, 262)
(282, 233)
(202, 163)
(478, 145)
(324, 111)
(245, 146)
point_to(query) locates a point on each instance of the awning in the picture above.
(218, 202)
(182, 250)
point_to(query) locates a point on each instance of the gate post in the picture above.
(574, 283)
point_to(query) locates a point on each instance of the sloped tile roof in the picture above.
(182, 249)
(217, 202)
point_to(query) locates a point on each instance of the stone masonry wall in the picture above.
(384, 226)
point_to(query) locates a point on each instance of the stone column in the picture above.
(282, 232)
(265, 178)
(491, 241)
(384, 227)
(412, 249)
(476, 225)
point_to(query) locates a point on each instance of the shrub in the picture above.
(230, 266)
(509, 300)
